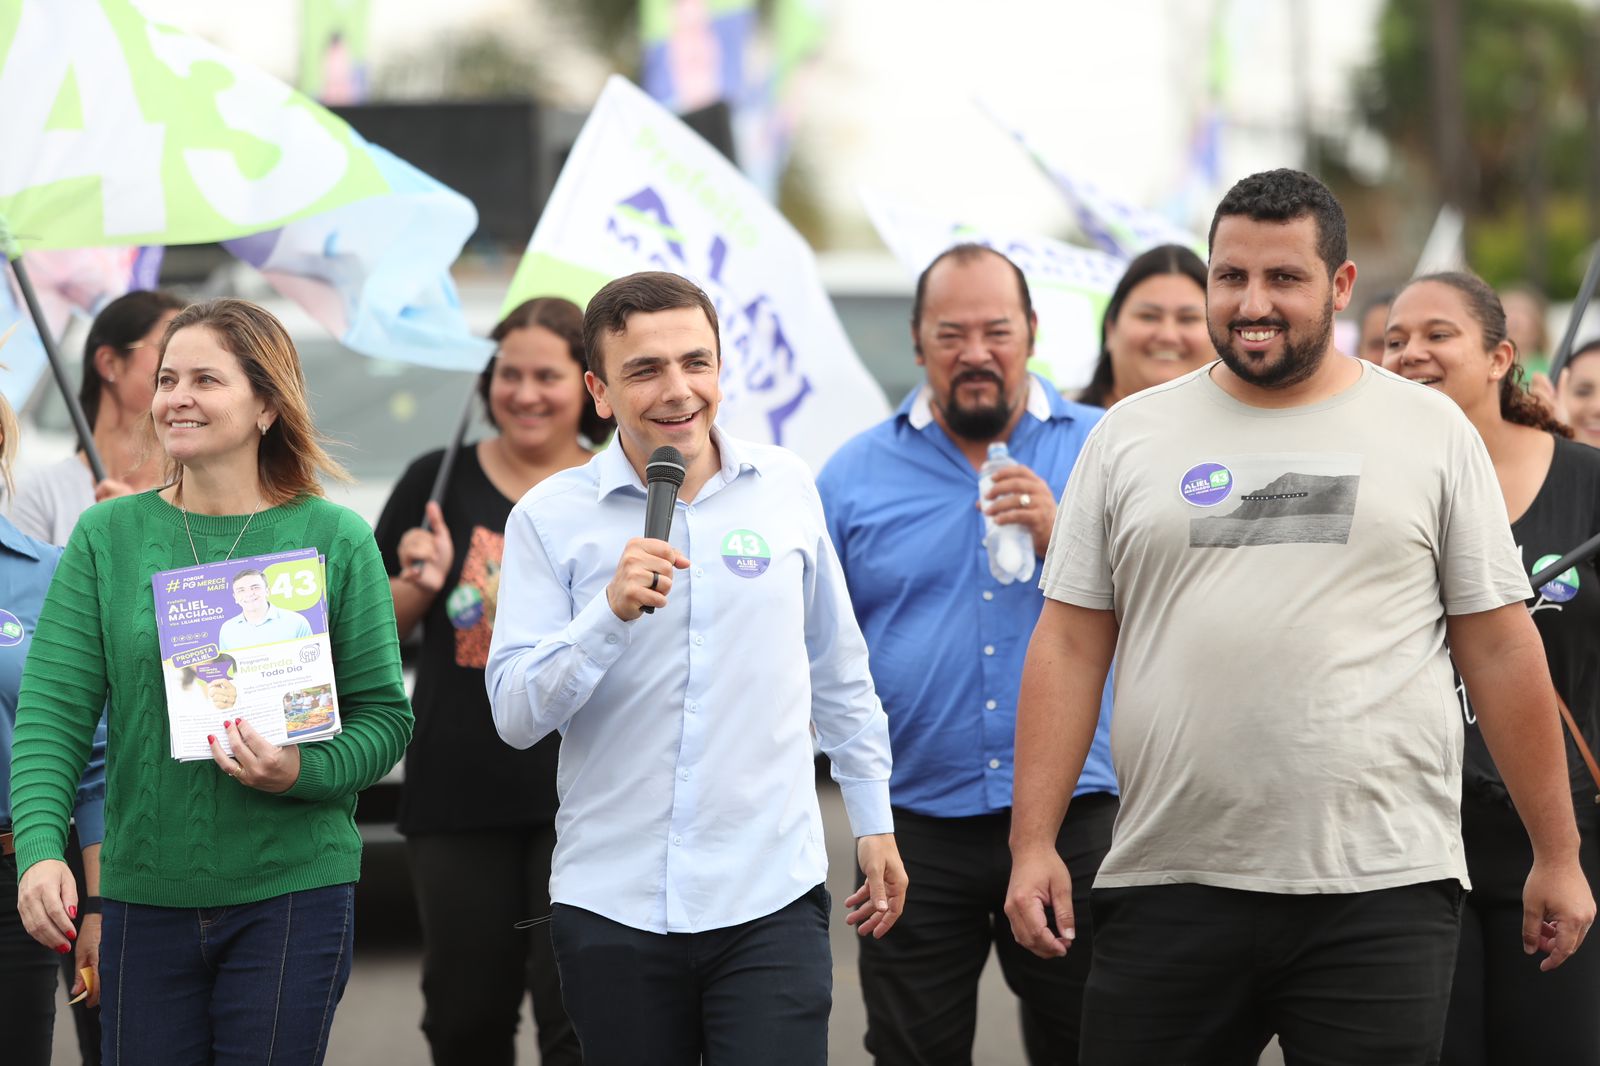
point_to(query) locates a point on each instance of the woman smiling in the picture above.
(228, 883)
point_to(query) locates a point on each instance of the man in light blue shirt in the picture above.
(948, 641)
(690, 917)
(259, 621)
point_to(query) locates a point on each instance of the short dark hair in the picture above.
(1484, 305)
(1161, 260)
(643, 293)
(1285, 195)
(1382, 298)
(966, 253)
(118, 326)
(565, 320)
(246, 572)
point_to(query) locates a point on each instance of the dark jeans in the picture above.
(1502, 1009)
(1190, 974)
(253, 984)
(472, 889)
(920, 982)
(759, 992)
(27, 982)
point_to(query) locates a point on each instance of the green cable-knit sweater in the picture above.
(185, 834)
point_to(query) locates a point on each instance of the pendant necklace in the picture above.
(236, 540)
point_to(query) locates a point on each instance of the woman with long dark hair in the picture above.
(119, 379)
(1448, 331)
(478, 815)
(1154, 327)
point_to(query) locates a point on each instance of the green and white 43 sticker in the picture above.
(745, 553)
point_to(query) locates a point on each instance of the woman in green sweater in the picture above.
(227, 882)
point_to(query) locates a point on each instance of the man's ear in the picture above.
(597, 389)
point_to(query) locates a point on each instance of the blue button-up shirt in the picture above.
(947, 639)
(26, 566)
(686, 780)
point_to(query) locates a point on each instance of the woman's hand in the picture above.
(88, 958)
(1552, 395)
(47, 900)
(426, 554)
(257, 762)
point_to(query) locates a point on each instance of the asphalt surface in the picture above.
(377, 1022)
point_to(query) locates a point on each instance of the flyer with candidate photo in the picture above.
(247, 638)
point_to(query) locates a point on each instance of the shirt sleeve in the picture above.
(851, 726)
(1077, 565)
(1480, 568)
(90, 811)
(59, 706)
(373, 709)
(544, 659)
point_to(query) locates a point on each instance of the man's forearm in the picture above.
(1502, 663)
(1058, 708)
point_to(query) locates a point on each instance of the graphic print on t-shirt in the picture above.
(471, 604)
(1282, 498)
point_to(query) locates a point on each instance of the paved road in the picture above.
(377, 1021)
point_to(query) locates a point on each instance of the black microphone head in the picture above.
(666, 464)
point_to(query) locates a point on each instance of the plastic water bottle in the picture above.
(1010, 547)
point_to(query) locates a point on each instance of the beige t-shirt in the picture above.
(1285, 716)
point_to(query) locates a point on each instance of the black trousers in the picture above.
(1502, 1009)
(472, 888)
(85, 1019)
(27, 982)
(756, 993)
(1190, 974)
(920, 982)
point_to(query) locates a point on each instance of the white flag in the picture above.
(641, 191)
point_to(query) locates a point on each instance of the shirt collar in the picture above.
(1044, 403)
(613, 471)
(15, 540)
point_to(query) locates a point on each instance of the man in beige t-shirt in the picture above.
(1277, 548)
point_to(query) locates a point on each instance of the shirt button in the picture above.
(676, 841)
(684, 774)
(698, 639)
(699, 572)
(611, 638)
(994, 764)
(691, 706)
(988, 649)
(689, 509)
(988, 595)
(991, 705)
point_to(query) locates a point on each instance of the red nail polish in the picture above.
(238, 722)
(211, 740)
(63, 949)
(72, 912)
(225, 725)
(72, 934)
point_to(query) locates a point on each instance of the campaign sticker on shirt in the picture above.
(745, 553)
(464, 606)
(1206, 485)
(10, 630)
(1562, 587)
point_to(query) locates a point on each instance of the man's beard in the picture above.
(980, 423)
(1300, 357)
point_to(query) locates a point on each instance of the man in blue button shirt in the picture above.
(690, 919)
(947, 642)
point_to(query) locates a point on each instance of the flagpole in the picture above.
(79, 422)
(1591, 279)
(441, 480)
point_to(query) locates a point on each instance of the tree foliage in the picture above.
(1522, 85)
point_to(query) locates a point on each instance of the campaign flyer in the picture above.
(247, 638)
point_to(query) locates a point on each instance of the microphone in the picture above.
(663, 476)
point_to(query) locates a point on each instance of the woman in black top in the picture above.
(1449, 332)
(477, 814)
